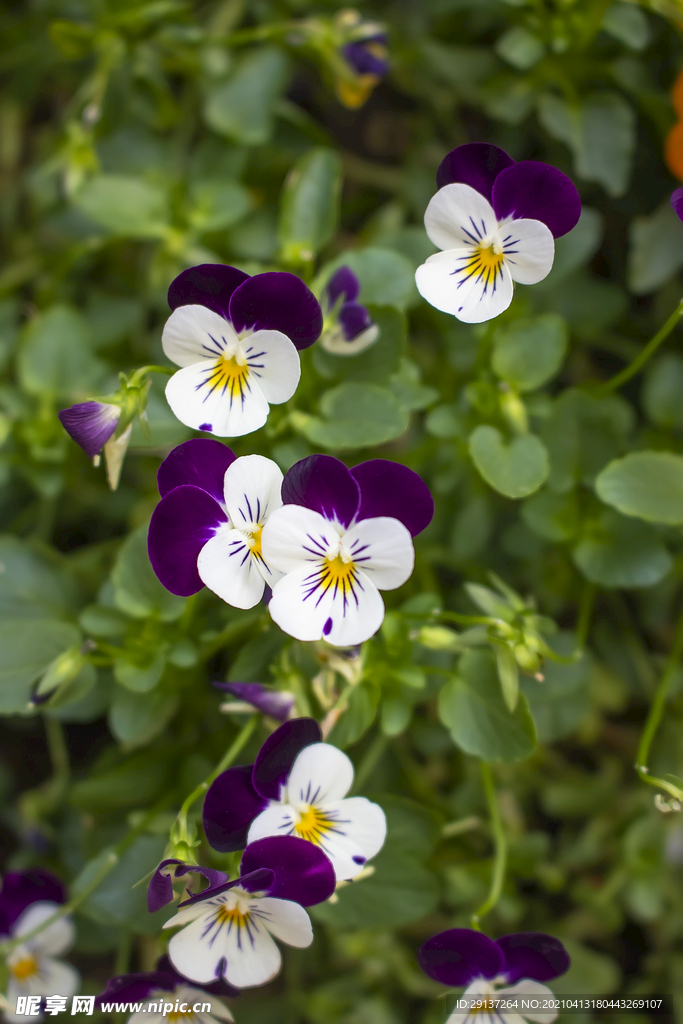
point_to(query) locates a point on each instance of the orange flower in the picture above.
(673, 146)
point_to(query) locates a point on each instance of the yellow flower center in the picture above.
(228, 375)
(313, 824)
(253, 539)
(338, 572)
(232, 916)
(485, 263)
(24, 968)
(174, 1015)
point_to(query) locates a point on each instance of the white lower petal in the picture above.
(307, 606)
(365, 823)
(227, 567)
(286, 920)
(450, 282)
(53, 940)
(57, 979)
(276, 820)
(459, 215)
(274, 361)
(534, 990)
(192, 333)
(319, 775)
(529, 249)
(382, 548)
(201, 399)
(295, 536)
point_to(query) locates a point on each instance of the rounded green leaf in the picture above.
(27, 647)
(662, 390)
(530, 351)
(216, 204)
(356, 416)
(514, 469)
(242, 107)
(619, 552)
(55, 357)
(310, 204)
(648, 485)
(375, 364)
(125, 205)
(137, 591)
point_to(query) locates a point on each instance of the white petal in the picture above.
(274, 362)
(535, 990)
(253, 487)
(459, 215)
(307, 606)
(295, 536)
(364, 823)
(226, 566)
(451, 282)
(53, 940)
(320, 774)
(187, 914)
(190, 995)
(56, 979)
(349, 831)
(382, 548)
(200, 398)
(286, 920)
(193, 333)
(276, 820)
(529, 249)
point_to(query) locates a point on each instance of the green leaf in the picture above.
(386, 277)
(30, 586)
(125, 205)
(55, 357)
(575, 248)
(514, 469)
(508, 675)
(552, 516)
(140, 678)
(137, 591)
(309, 210)
(356, 416)
(132, 783)
(519, 47)
(136, 718)
(628, 24)
(242, 107)
(356, 719)
(27, 647)
(377, 363)
(471, 705)
(648, 485)
(619, 552)
(395, 716)
(559, 703)
(217, 204)
(662, 390)
(529, 352)
(655, 249)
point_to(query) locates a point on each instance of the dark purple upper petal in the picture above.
(230, 806)
(539, 192)
(180, 526)
(209, 284)
(160, 889)
(354, 319)
(533, 955)
(458, 956)
(363, 61)
(200, 462)
(22, 888)
(677, 202)
(270, 702)
(303, 873)
(277, 755)
(342, 283)
(390, 489)
(476, 164)
(216, 988)
(324, 484)
(277, 301)
(90, 424)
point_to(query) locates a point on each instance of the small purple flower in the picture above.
(496, 221)
(227, 931)
(297, 786)
(160, 889)
(348, 327)
(275, 703)
(363, 46)
(461, 956)
(91, 424)
(206, 530)
(342, 536)
(677, 202)
(165, 985)
(235, 338)
(368, 56)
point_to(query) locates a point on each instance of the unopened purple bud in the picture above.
(90, 424)
(276, 703)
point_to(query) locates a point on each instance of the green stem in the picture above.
(655, 714)
(637, 364)
(59, 755)
(500, 841)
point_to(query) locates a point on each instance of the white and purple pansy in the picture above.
(235, 338)
(348, 328)
(160, 888)
(163, 994)
(206, 530)
(496, 221)
(340, 537)
(229, 931)
(27, 899)
(513, 965)
(278, 704)
(297, 787)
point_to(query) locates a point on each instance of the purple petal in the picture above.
(277, 755)
(324, 484)
(160, 889)
(270, 702)
(277, 302)
(390, 489)
(209, 284)
(354, 319)
(363, 60)
(262, 879)
(90, 424)
(180, 526)
(134, 988)
(476, 164)
(342, 283)
(677, 202)
(216, 988)
(200, 462)
(22, 888)
(533, 955)
(302, 871)
(539, 192)
(459, 955)
(230, 806)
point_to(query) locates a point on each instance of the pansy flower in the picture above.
(365, 52)
(297, 786)
(27, 899)
(514, 965)
(277, 704)
(229, 931)
(342, 536)
(206, 530)
(496, 221)
(348, 328)
(163, 994)
(235, 338)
